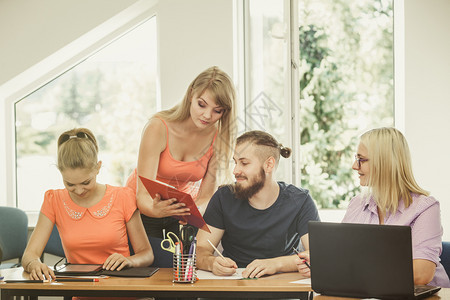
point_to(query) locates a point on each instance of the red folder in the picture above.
(195, 218)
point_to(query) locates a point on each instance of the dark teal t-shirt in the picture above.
(257, 234)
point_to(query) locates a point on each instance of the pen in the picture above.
(178, 258)
(24, 281)
(304, 260)
(191, 260)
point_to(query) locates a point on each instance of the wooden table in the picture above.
(159, 285)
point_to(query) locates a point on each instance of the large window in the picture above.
(345, 86)
(113, 93)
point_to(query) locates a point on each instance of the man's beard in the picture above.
(245, 193)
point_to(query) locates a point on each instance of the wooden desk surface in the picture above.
(161, 282)
(158, 284)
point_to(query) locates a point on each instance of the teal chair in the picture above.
(445, 257)
(13, 235)
(54, 244)
(163, 258)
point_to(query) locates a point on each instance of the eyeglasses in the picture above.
(67, 137)
(360, 160)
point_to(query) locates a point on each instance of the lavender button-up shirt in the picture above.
(424, 218)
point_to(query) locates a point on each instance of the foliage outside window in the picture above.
(113, 93)
(346, 88)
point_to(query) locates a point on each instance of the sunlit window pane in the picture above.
(113, 93)
(346, 88)
(267, 73)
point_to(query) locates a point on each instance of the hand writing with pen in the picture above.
(222, 266)
(303, 264)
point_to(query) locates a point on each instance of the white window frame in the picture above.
(241, 59)
(50, 68)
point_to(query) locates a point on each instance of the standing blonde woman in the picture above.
(186, 147)
(94, 220)
(383, 164)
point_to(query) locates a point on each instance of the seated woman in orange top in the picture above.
(93, 219)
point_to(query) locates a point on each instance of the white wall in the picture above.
(427, 97)
(32, 30)
(193, 35)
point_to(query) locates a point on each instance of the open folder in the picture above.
(166, 192)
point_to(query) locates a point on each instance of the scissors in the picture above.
(171, 239)
(187, 233)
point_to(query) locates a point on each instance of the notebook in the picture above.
(363, 261)
(96, 270)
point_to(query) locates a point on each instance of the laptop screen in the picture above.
(361, 260)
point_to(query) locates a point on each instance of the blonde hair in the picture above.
(77, 148)
(264, 139)
(221, 86)
(391, 178)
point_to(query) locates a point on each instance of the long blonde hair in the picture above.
(221, 86)
(391, 178)
(77, 148)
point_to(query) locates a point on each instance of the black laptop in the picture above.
(363, 261)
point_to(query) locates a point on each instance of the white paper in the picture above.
(303, 281)
(201, 274)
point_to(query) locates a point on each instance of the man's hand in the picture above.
(223, 266)
(260, 267)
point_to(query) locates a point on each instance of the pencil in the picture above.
(24, 281)
(77, 280)
(304, 260)
(215, 249)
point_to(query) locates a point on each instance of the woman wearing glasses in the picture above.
(186, 147)
(383, 164)
(94, 220)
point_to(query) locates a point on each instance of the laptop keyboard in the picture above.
(420, 289)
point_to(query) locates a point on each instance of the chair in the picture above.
(163, 258)
(13, 234)
(445, 257)
(54, 245)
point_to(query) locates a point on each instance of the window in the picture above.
(113, 93)
(267, 76)
(344, 87)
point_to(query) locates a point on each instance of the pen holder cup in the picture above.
(184, 268)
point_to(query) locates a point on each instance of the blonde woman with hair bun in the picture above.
(94, 220)
(188, 147)
(383, 164)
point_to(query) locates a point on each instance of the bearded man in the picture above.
(258, 220)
